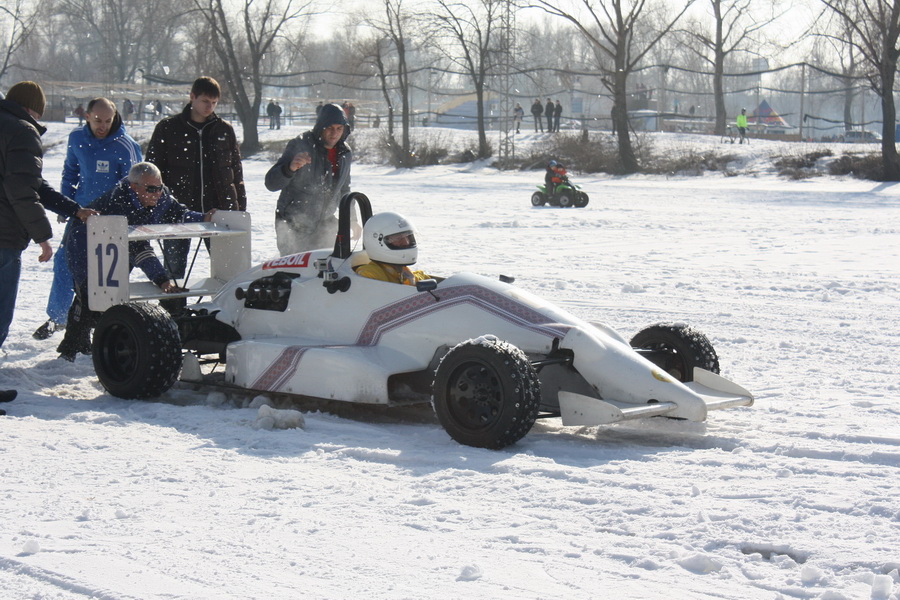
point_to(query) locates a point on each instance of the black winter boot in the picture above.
(78, 332)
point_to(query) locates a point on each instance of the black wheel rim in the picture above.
(672, 362)
(474, 396)
(119, 353)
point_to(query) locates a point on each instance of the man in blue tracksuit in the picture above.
(99, 154)
(143, 200)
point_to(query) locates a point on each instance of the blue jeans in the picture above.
(63, 290)
(10, 269)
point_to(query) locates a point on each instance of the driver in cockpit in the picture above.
(390, 241)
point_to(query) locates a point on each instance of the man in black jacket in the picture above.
(198, 155)
(548, 114)
(22, 191)
(537, 109)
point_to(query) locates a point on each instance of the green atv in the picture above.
(566, 194)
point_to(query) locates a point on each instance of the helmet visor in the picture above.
(401, 240)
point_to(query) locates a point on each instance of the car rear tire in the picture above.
(136, 351)
(677, 348)
(486, 393)
(538, 199)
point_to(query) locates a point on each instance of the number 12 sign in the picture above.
(107, 246)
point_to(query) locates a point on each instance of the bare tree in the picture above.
(391, 32)
(621, 33)
(733, 28)
(17, 21)
(837, 51)
(875, 31)
(240, 42)
(472, 30)
(125, 35)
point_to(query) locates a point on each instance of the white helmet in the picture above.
(390, 238)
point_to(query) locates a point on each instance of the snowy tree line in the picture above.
(392, 54)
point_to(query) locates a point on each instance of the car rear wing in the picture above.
(107, 256)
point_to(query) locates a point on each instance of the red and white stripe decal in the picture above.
(413, 308)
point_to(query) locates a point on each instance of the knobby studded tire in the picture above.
(682, 346)
(565, 199)
(486, 393)
(538, 199)
(136, 351)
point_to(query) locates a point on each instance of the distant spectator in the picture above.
(537, 109)
(518, 115)
(350, 112)
(277, 115)
(270, 112)
(548, 114)
(741, 123)
(128, 110)
(79, 112)
(557, 115)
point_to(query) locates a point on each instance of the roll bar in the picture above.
(342, 240)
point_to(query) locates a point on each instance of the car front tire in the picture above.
(677, 348)
(486, 393)
(136, 351)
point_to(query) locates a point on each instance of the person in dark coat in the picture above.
(312, 175)
(198, 155)
(142, 199)
(557, 115)
(22, 194)
(537, 109)
(270, 112)
(548, 114)
(518, 115)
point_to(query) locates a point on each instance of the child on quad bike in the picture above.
(557, 189)
(556, 174)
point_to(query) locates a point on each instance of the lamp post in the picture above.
(143, 85)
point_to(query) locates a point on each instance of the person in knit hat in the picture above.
(23, 190)
(312, 174)
(30, 96)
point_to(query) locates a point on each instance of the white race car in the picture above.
(492, 358)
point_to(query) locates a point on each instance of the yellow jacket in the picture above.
(742, 121)
(391, 273)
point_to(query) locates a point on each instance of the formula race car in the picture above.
(490, 357)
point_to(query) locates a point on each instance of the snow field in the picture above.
(795, 283)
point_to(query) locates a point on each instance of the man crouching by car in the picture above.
(143, 200)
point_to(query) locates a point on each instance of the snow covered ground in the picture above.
(796, 284)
